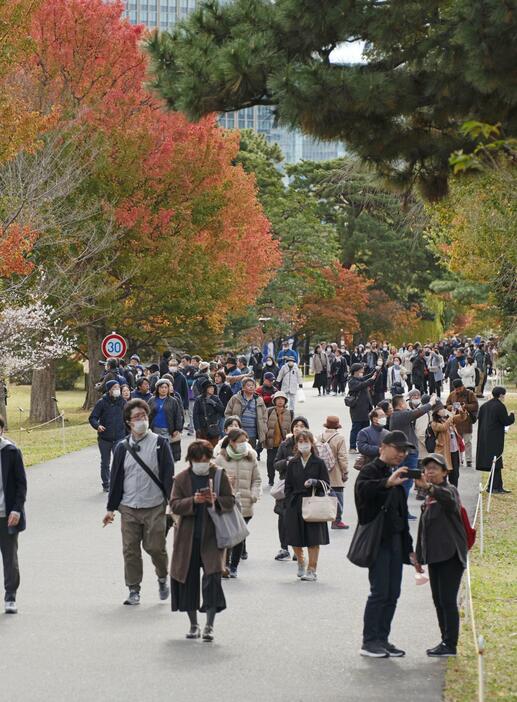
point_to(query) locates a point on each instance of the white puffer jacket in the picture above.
(246, 475)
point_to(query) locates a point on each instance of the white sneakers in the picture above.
(10, 607)
(310, 576)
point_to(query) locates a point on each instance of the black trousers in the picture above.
(454, 476)
(271, 455)
(445, 579)
(385, 576)
(106, 448)
(237, 551)
(282, 533)
(185, 597)
(9, 549)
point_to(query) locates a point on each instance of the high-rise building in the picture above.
(160, 14)
(164, 14)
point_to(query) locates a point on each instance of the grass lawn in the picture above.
(47, 442)
(494, 593)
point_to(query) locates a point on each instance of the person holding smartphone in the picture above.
(195, 544)
(380, 485)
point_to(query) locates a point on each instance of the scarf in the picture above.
(234, 455)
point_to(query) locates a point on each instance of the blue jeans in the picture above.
(410, 461)
(385, 576)
(338, 492)
(354, 431)
(106, 449)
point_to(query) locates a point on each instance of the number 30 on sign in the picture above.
(114, 346)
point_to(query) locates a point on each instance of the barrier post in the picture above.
(491, 483)
(481, 670)
(20, 412)
(63, 431)
(481, 524)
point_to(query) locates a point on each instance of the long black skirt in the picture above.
(320, 380)
(298, 531)
(185, 597)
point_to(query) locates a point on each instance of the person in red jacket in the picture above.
(267, 389)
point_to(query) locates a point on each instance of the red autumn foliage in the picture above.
(15, 243)
(330, 315)
(170, 184)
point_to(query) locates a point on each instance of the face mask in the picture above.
(382, 421)
(241, 448)
(304, 448)
(173, 369)
(200, 468)
(396, 363)
(269, 363)
(140, 426)
(115, 392)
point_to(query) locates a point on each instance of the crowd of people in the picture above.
(404, 435)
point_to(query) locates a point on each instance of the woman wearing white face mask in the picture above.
(239, 461)
(304, 472)
(195, 544)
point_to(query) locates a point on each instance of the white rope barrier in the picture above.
(37, 426)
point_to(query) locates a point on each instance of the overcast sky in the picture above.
(348, 53)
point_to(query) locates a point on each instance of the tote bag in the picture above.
(230, 527)
(277, 491)
(319, 509)
(367, 539)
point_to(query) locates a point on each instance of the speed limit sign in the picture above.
(114, 346)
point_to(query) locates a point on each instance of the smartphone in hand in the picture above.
(414, 473)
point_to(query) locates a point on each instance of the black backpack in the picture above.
(430, 439)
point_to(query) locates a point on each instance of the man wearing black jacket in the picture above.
(140, 494)
(13, 492)
(359, 388)
(380, 486)
(107, 419)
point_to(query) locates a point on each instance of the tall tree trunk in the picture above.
(43, 390)
(3, 402)
(94, 337)
(307, 351)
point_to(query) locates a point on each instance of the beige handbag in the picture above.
(319, 509)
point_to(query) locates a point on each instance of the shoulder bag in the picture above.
(319, 509)
(168, 517)
(367, 538)
(230, 527)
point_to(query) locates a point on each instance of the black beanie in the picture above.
(300, 419)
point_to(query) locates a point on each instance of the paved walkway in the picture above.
(279, 640)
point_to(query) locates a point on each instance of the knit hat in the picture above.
(135, 357)
(269, 376)
(278, 395)
(110, 384)
(164, 381)
(458, 383)
(356, 367)
(332, 422)
(301, 419)
(203, 366)
(154, 368)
